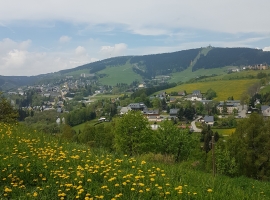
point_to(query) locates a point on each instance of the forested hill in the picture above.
(221, 57)
(148, 66)
(166, 63)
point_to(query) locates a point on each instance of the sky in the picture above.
(38, 37)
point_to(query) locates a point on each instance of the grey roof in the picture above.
(227, 104)
(205, 101)
(264, 107)
(196, 92)
(208, 118)
(174, 111)
(137, 105)
(151, 112)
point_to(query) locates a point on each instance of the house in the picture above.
(161, 95)
(265, 110)
(204, 102)
(209, 120)
(230, 105)
(196, 95)
(124, 110)
(172, 99)
(137, 106)
(173, 112)
(152, 115)
(182, 93)
(148, 113)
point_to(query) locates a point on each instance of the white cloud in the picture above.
(80, 51)
(16, 58)
(225, 16)
(113, 51)
(64, 39)
(266, 48)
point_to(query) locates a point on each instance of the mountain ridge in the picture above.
(149, 66)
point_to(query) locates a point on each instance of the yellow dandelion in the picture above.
(209, 190)
(143, 162)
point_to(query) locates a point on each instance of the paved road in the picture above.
(194, 127)
(242, 110)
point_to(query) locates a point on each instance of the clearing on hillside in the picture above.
(223, 88)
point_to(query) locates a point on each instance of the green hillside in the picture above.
(188, 74)
(223, 88)
(181, 65)
(119, 74)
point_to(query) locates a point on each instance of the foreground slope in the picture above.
(38, 166)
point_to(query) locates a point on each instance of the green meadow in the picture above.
(223, 88)
(224, 132)
(39, 166)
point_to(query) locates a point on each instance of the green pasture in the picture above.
(119, 74)
(223, 88)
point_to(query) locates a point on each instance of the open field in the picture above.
(103, 96)
(224, 131)
(123, 74)
(223, 88)
(39, 166)
(82, 125)
(188, 74)
(238, 75)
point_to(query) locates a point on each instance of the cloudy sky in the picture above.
(41, 36)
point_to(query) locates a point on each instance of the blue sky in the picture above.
(47, 36)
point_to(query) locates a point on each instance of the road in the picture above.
(194, 127)
(242, 110)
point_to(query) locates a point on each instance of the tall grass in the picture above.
(38, 166)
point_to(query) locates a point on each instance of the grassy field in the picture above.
(265, 89)
(119, 74)
(238, 75)
(188, 74)
(224, 132)
(223, 88)
(39, 166)
(104, 96)
(81, 126)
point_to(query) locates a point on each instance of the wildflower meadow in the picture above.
(39, 166)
